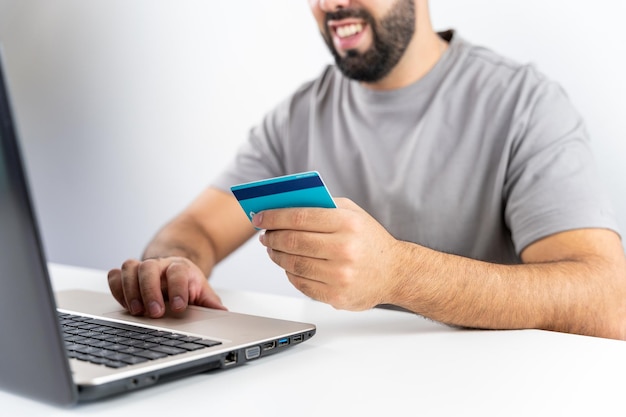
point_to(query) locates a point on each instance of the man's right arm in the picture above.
(177, 262)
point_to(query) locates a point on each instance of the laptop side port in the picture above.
(283, 342)
(253, 352)
(297, 338)
(230, 358)
(269, 345)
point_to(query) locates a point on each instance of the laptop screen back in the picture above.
(32, 356)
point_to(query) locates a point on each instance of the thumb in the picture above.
(209, 298)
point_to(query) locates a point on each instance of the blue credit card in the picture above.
(305, 189)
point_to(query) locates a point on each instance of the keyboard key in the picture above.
(190, 346)
(172, 342)
(208, 343)
(115, 356)
(114, 364)
(134, 360)
(141, 345)
(169, 350)
(150, 354)
(189, 339)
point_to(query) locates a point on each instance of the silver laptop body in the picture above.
(38, 361)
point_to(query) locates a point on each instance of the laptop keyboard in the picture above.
(117, 345)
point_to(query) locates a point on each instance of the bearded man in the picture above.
(465, 185)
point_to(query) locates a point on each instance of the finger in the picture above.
(346, 203)
(177, 277)
(130, 287)
(310, 244)
(312, 289)
(302, 266)
(149, 275)
(327, 293)
(114, 278)
(322, 220)
(209, 298)
(187, 285)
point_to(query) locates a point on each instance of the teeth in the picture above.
(349, 30)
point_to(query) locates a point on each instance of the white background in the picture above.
(127, 108)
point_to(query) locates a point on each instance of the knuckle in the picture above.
(291, 241)
(129, 264)
(114, 275)
(348, 250)
(351, 223)
(177, 272)
(174, 267)
(144, 268)
(300, 266)
(147, 275)
(343, 276)
(300, 218)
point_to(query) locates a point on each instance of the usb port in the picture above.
(297, 338)
(283, 342)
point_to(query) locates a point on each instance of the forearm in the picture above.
(185, 238)
(207, 231)
(583, 295)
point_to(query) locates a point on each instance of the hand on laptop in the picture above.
(143, 286)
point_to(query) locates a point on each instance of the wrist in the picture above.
(414, 279)
(204, 263)
(403, 268)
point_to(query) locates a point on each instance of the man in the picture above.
(471, 192)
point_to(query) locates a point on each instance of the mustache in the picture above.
(347, 13)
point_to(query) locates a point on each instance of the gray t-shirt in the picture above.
(479, 158)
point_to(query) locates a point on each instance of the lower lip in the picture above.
(351, 42)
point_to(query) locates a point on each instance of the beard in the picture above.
(391, 36)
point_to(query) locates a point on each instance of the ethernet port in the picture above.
(230, 358)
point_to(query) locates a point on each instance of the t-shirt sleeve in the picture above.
(552, 182)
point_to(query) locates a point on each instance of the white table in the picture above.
(377, 363)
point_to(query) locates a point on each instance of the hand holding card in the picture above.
(305, 189)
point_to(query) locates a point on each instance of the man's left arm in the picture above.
(573, 281)
(597, 259)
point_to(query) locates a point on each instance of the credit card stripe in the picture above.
(278, 187)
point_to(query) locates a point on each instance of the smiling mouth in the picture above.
(346, 31)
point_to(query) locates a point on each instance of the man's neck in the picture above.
(423, 53)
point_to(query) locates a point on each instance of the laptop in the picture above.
(80, 346)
